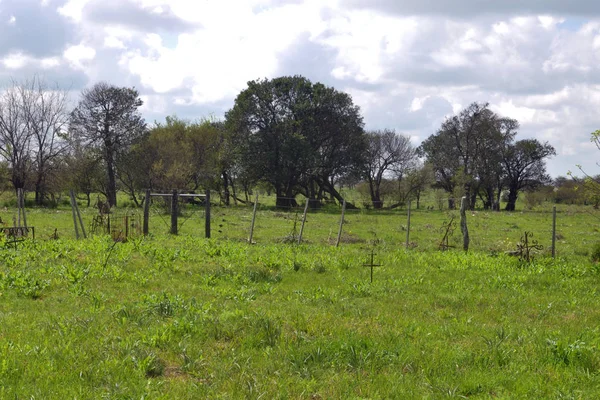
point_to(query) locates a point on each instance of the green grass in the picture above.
(185, 317)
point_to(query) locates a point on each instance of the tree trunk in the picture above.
(39, 192)
(226, 188)
(473, 201)
(451, 204)
(513, 194)
(111, 189)
(335, 194)
(375, 195)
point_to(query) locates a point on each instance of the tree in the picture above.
(84, 170)
(296, 135)
(463, 151)
(15, 135)
(590, 184)
(415, 182)
(108, 119)
(524, 167)
(45, 111)
(490, 172)
(386, 152)
(180, 154)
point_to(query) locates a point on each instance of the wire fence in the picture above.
(577, 227)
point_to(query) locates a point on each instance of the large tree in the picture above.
(524, 166)
(387, 152)
(107, 118)
(463, 150)
(296, 135)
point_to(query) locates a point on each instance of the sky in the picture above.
(408, 64)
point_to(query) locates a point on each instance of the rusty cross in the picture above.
(372, 264)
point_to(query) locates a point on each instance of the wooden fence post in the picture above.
(174, 212)
(408, 226)
(72, 197)
(463, 223)
(303, 221)
(78, 217)
(554, 232)
(146, 224)
(22, 207)
(339, 237)
(253, 220)
(207, 215)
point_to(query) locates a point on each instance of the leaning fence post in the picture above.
(303, 221)
(72, 197)
(408, 226)
(339, 237)
(174, 212)
(78, 217)
(463, 223)
(253, 220)
(207, 215)
(554, 232)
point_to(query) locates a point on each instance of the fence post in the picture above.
(554, 232)
(23, 207)
(253, 220)
(339, 237)
(463, 223)
(174, 212)
(78, 217)
(146, 226)
(408, 226)
(18, 208)
(303, 221)
(207, 215)
(72, 197)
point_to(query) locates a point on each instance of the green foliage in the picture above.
(285, 127)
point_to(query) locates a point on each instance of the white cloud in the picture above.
(73, 9)
(79, 55)
(15, 61)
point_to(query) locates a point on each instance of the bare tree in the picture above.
(15, 135)
(46, 115)
(387, 152)
(107, 118)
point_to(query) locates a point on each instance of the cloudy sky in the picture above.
(407, 63)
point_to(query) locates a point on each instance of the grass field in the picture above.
(185, 317)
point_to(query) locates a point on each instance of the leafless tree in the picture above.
(46, 112)
(15, 135)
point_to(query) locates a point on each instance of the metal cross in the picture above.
(372, 263)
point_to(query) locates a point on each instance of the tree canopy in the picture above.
(473, 153)
(297, 136)
(107, 118)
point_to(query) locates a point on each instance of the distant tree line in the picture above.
(288, 135)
